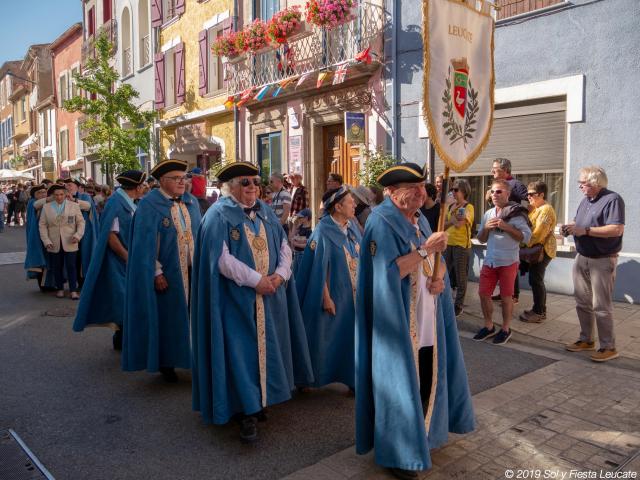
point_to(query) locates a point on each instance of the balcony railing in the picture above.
(127, 62)
(317, 51)
(88, 46)
(145, 50)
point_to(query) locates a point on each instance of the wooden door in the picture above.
(339, 156)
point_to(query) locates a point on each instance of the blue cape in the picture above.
(91, 228)
(224, 340)
(156, 325)
(36, 257)
(331, 339)
(389, 414)
(103, 292)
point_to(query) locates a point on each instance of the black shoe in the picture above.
(484, 333)
(458, 309)
(117, 340)
(262, 415)
(169, 374)
(248, 430)
(502, 337)
(403, 474)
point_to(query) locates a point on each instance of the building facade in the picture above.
(302, 127)
(190, 89)
(557, 109)
(8, 73)
(65, 148)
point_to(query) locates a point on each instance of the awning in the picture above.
(69, 163)
(192, 139)
(29, 141)
(31, 168)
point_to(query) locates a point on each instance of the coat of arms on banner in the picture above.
(458, 79)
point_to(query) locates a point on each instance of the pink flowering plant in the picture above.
(225, 45)
(284, 24)
(329, 14)
(255, 35)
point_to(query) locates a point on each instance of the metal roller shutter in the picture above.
(533, 142)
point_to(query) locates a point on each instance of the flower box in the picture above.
(303, 31)
(235, 59)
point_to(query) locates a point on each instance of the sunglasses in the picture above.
(245, 182)
(496, 192)
(455, 189)
(532, 194)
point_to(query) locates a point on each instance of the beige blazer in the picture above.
(57, 230)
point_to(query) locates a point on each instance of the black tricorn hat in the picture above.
(168, 166)
(402, 173)
(237, 169)
(55, 187)
(73, 180)
(131, 178)
(35, 189)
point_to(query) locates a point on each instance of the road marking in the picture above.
(12, 258)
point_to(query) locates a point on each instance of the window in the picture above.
(63, 88)
(23, 109)
(75, 91)
(91, 21)
(216, 69)
(63, 146)
(45, 127)
(269, 154)
(510, 8)
(171, 9)
(79, 143)
(266, 8)
(144, 46)
(170, 78)
(127, 52)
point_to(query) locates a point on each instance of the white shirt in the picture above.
(3, 201)
(244, 275)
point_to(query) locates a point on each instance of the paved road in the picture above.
(65, 395)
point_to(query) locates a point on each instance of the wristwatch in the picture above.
(422, 252)
(586, 231)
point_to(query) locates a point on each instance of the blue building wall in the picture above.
(595, 38)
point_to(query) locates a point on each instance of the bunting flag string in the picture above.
(246, 96)
(364, 56)
(321, 77)
(262, 93)
(230, 101)
(302, 78)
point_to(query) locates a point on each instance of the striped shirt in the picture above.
(279, 200)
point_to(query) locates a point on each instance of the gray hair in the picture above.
(463, 186)
(595, 176)
(505, 164)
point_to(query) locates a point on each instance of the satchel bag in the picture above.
(531, 255)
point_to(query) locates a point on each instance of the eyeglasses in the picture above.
(496, 192)
(245, 182)
(177, 178)
(532, 194)
(455, 189)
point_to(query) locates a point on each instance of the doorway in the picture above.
(339, 156)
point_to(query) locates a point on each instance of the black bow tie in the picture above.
(177, 200)
(255, 208)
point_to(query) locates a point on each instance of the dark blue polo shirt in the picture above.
(607, 208)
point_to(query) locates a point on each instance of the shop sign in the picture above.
(48, 165)
(354, 127)
(295, 154)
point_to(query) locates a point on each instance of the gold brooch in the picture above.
(166, 222)
(259, 244)
(373, 248)
(235, 234)
(313, 244)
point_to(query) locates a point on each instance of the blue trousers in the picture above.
(60, 262)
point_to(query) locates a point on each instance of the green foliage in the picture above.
(115, 127)
(375, 162)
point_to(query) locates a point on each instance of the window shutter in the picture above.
(204, 55)
(156, 13)
(227, 24)
(180, 7)
(179, 65)
(159, 65)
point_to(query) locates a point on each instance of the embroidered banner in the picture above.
(458, 82)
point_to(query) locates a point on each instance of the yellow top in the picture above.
(460, 236)
(543, 220)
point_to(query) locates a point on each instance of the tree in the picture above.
(375, 162)
(107, 109)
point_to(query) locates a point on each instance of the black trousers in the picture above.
(536, 280)
(60, 261)
(425, 366)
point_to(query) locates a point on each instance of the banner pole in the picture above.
(443, 214)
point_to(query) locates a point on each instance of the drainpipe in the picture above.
(394, 78)
(236, 116)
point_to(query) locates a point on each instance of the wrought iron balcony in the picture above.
(88, 46)
(127, 62)
(317, 50)
(145, 50)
